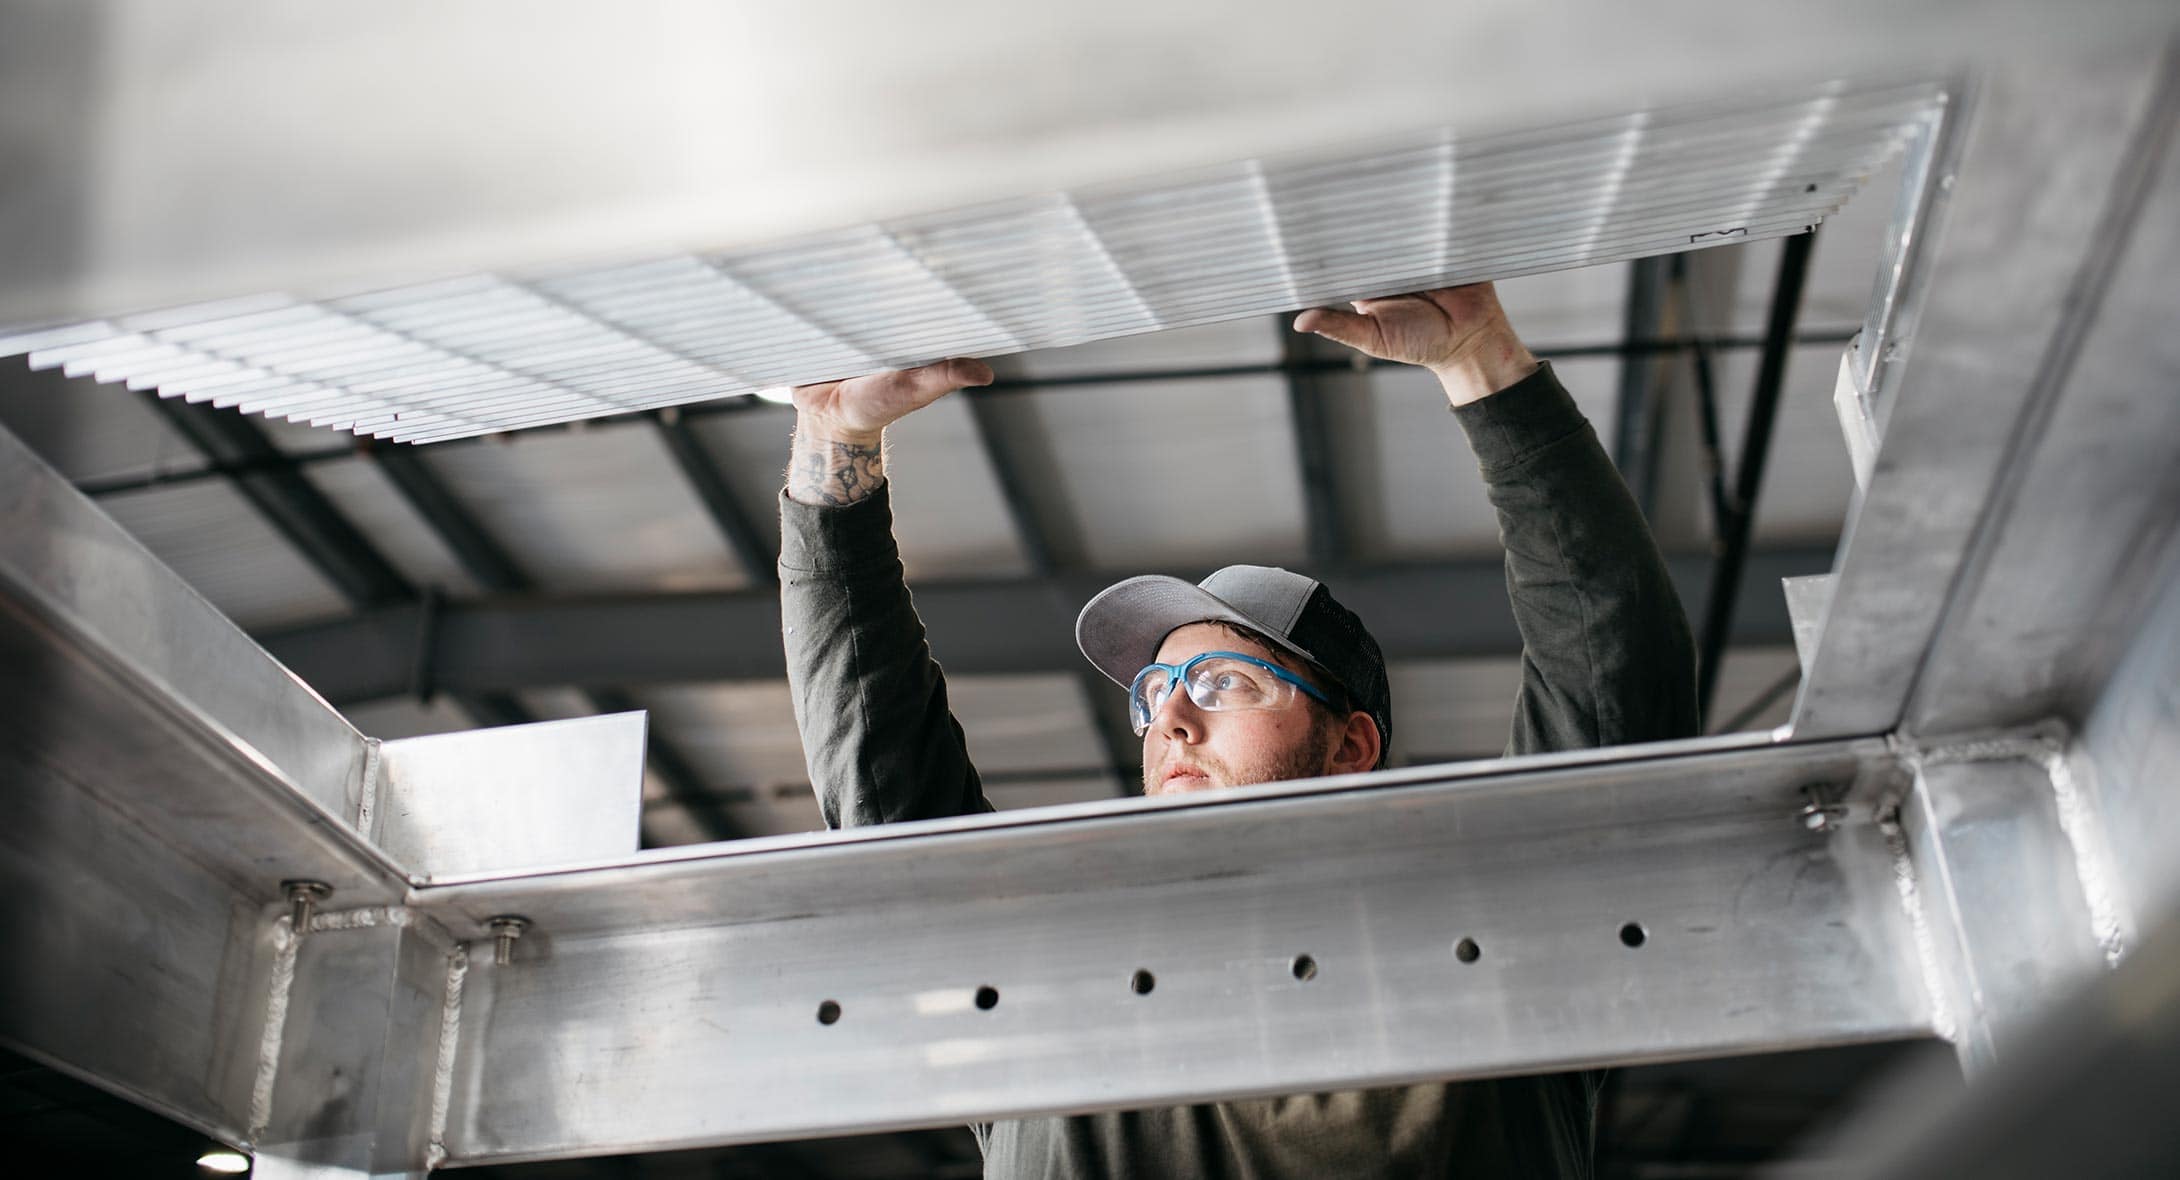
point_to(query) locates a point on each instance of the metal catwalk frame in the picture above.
(226, 904)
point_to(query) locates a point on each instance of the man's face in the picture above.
(1188, 749)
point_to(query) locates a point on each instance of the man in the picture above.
(1257, 675)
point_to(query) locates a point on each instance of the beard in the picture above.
(1304, 761)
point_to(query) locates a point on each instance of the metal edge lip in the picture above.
(1471, 775)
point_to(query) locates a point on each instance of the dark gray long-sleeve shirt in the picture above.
(1606, 659)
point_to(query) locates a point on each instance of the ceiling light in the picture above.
(224, 1161)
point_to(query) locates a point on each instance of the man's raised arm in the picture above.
(1606, 652)
(870, 703)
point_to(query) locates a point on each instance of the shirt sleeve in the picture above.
(870, 702)
(1607, 657)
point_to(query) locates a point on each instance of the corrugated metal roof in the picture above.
(593, 509)
(220, 546)
(363, 494)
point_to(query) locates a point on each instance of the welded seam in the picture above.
(442, 1074)
(2084, 830)
(285, 946)
(367, 800)
(369, 917)
(2004, 748)
(1943, 1022)
(2079, 820)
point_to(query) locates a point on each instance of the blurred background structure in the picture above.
(163, 158)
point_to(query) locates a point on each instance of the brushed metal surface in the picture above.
(514, 797)
(2070, 552)
(162, 776)
(2012, 927)
(98, 594)
(1307, 940)
(2028, 214)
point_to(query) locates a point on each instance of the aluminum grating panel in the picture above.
(487, 353)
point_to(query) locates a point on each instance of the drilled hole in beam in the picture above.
(1467, 951)
(1633, 935)
(1142, 982)
(1305, 968)
(987, 997)
(828, 1012)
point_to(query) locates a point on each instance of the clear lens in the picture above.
(1223, 683)
(1215, 684)
(1146, 695)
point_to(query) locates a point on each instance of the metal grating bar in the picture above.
(487, 353)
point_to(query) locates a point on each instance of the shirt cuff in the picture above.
(1515, 423)
(820, 539)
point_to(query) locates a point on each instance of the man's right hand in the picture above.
(1458, 333)
(839, 455)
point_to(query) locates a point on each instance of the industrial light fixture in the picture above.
(224, 1161)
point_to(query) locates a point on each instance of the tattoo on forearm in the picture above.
(834, 473)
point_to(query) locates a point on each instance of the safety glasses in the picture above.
(1216, 681)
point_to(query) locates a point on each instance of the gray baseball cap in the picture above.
(1121, 629)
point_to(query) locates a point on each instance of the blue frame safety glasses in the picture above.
(1216, 680)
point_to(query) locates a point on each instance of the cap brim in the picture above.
(1121, 629)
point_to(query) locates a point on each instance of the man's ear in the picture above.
(1358, 746)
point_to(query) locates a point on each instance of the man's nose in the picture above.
(1178, 717)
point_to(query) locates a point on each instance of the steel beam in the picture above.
(2067, 554)
(1311, 385)
(2087, 1095)
(163, 777)
(2047, 189)
(1300, 936)
(1001, 626)
(736, 529)
(289, 502)
(2004, 915)
(365, 1008)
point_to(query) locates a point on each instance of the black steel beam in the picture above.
(288, 501)
(1640, 417)
(1023, 625)
(480, 555)
(1726, 574)
(741, 534)
(1314, 375)
(1029, 531)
